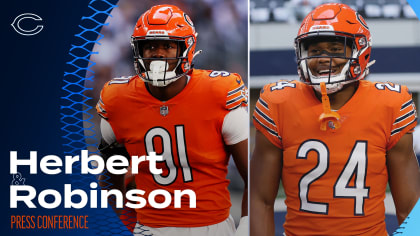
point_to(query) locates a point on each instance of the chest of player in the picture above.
(134, 122)
(185, 126)
(361, 139)
(340, 172)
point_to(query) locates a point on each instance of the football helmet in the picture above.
(334, 22)
(164, 22)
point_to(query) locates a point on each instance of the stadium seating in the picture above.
(292, 11)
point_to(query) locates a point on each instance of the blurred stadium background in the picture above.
(222, 27)
(395, 33)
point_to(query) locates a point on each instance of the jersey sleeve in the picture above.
(101, 107)
(263, 119)
(237, 95)
(108, 94)
(405, 115)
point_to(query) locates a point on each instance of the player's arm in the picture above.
(109, 147)
(266, 165)
(404, 176)
(239, 153)
(235, 135)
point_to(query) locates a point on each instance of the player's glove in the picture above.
(108, 150)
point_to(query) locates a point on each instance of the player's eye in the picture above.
(170, 45)
(148, 46)
(336, 49)
(314, 52)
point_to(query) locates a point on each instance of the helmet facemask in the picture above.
(350, 71)
(156, 71)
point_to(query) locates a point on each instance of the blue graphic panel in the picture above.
(415, 4)
(75, 116)
(410, 226)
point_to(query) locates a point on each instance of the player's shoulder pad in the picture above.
(113, 87)
(219, 76)
(389, 93)
(123, 80)
(388, 87)
(109, 94)
(281, 90)
(228, 86)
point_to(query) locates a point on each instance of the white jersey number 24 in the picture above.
(356, 166)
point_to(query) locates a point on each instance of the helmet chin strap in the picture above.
(158, 72)
(367, 70)
(197, 53)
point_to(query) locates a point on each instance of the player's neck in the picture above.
(340, 98)
(169, 91)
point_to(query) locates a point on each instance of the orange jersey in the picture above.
(335, 180)
(187, 132)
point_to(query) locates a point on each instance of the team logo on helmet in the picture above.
(361, 20)
(188, 20)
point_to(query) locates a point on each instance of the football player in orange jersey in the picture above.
(333, 139)
(194, 118)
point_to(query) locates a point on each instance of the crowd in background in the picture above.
(293, 11)
(222, 35)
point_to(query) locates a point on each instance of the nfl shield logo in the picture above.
(164, 110)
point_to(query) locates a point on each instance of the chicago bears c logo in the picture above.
(17, 24)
